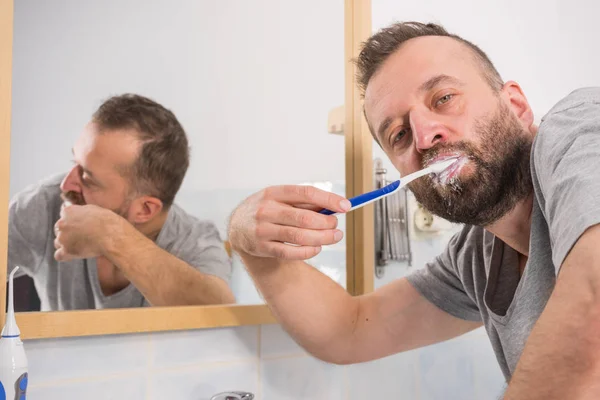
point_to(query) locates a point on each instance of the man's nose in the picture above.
(427, 130)
(71, 182)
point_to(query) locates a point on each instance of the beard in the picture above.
(501, 174)
(78, 199)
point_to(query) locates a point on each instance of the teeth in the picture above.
(449, 161)
(443, 178)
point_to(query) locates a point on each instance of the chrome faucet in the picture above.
(234, 395)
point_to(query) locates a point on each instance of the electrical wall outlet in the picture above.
(423, 219)
(424, 225)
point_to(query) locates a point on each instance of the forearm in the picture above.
(557, 363)
(162, 278)
(317, 312)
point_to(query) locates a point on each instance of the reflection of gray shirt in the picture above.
(477, 277)
(74, 284)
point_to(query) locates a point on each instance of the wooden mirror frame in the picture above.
(359, 223)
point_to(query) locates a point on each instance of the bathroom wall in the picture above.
(262, 360)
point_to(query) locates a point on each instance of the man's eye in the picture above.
(398, 136)
(444, 99)
(86, 182)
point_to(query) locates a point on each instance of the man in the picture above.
(107, 234)
(526, 266)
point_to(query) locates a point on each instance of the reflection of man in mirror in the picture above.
(107, 234)
(526, 265)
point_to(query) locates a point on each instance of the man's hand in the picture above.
(283, 222)
(82, 231)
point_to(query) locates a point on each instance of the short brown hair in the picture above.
(164, 155)
(382, 44)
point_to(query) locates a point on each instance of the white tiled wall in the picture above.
(261, 359)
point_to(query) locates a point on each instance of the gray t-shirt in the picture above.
(74, 284)
(477, 277)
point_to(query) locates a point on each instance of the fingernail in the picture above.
(338, 235)
(345, 204)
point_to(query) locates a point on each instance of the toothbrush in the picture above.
(13, 361)
(370, 197)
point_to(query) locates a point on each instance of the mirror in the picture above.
(251, 83)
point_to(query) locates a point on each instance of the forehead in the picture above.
(415, 62)
(107, 151)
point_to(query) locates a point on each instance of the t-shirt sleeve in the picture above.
(566, 170)
(204, 250)
(28, 227)
(440, 283)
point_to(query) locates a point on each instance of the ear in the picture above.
(513, 94)
(144, 209)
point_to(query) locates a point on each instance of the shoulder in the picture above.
(568, 136)
(577, 98)
(41, 197)
(575, 115)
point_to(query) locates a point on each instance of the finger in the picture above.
(298, 236)
(307, 206)
(62, 255)
(65, 206)
(296, 194)
(283, 214)
(311, 207)
(288, 252)
(57, 244)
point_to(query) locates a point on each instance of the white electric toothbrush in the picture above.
(13, 362)
(367, 198)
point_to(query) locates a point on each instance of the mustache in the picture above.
(444, 148)
(73, 197)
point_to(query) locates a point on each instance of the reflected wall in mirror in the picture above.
(106, 99)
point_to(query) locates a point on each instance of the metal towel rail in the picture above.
(392, 242)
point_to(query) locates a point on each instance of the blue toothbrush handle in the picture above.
(367, 197)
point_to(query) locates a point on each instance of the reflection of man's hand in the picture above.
(83, 231)
(282, 222)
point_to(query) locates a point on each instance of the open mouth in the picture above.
(452, 171)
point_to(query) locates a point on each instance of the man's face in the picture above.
(428, 102)
(99, 174)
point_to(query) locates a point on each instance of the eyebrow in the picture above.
(426, 86)
(431, 83)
